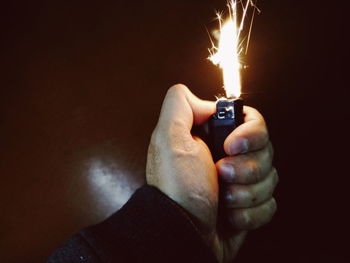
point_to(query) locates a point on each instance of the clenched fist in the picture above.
(181, 166)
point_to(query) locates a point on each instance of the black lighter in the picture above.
(229, 115)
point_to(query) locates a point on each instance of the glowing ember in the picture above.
(229, 51)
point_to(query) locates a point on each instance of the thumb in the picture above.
(182, 107)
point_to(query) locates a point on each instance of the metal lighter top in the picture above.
(229, 115)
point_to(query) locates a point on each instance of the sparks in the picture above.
(228, 54)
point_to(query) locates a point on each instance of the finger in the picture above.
(234, 242)
(248, 168)
(182, 108)
(252, 218)
(252, 135)
(245, 196)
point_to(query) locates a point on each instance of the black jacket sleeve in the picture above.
(150, 227)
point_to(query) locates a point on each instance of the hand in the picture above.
(181, 166)
(248, 180)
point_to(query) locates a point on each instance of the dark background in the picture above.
(82, 83)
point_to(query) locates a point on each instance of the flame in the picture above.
(230, 49)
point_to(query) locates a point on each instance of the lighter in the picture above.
(228, 55)
(228, 116)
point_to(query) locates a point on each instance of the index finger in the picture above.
(252, 135)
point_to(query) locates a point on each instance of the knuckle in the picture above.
(253, 172)
(253, 196)
(272, 183)
(177, 89)
(244, 196)
(266, 156)
(266, 137)
(252, 218)
(265, 160)
(243, 220)
(247, 220)
(263, 134)
(248, 196)
(271, 151)
(270, 211)
(273, 206)
(275, 176)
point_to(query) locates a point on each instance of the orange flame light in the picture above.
(230, 48)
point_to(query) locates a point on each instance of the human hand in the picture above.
(247, 181)
(181, 166)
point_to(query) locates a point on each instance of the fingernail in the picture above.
(229, 196)
(227, 172)
(240, 145)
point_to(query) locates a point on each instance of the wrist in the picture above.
(190, 208)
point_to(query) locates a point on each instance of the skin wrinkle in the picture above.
(183, 169)
(188, 162)
(183, 150)
(181, 141)
(248, 221)
(153, 165)
(186, 151)
(246, 196)
(244, 162)
(253, 170)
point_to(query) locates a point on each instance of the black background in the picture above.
(114, 61)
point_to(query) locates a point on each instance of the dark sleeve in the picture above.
(150, 227)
